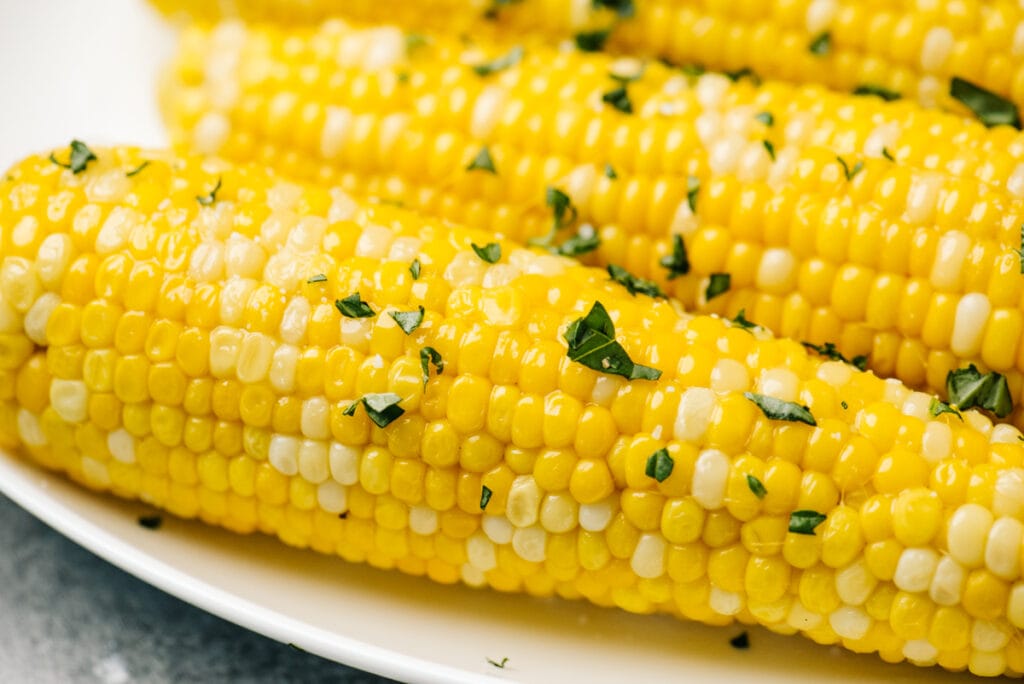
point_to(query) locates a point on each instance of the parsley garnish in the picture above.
(804, 522)
(693, 70)
(592, 41)
(510, 59)
(618, 98)
(766, 118)
(877, 91)
(937, 408)
(414, 41)
(829, 351)
(991, 109)
(318, 278)
(137, 170)
(887, 154)
(777, 409)
(847, 170)
(498, 664)
(151, 522)
(210, 197)
(659, 465)
(692, 190)
(414, 269)
(491, 252)
(353, 306)
(485, 497)
(821, 45)
(408, 321)
(967, 388)
(592, 343)
(563, 214)
(585, 240)
(770, 148)
(745, 72)
(79, 158)
(741, 321)
(844, 405)
(756, 486)
(717, 285)
(483, 162)
(382, 409)
(741, 641)
(624, 8)
(677, 263)
(429, 355)
(634, 284)
(609, 171)
(496, 5)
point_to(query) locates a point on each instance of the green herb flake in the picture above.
(887, 154)
(877, 91)
(991, 109)
(585, 240)
(500, 664)
(756, 486)
(350, 410)
(804, 522)
(821, 45)
(563, 214)
(210, 197)
(937, 407)
(829, 351)
(592, 344)
(1020, 252)
(318, 278)
(741, 641)
(491, 252)
(485, 497)
(770, 148)
(429, 355)
(634, 284)
(496, 5)
(353, 306)
(137, 170)
(408, 321)
(624, 8)
(692, 191)
(968, 388)
(740, 74)
(778, 409)
(592, 41)
(414, 269)
(766, 118)
(383, 408)
(508, 60)
(844, 405)
(678, 262)
(78, 159)
(483, 162)
(742, 322)
(415, 41)
(618, 98)
(718, 284)
(849, 171)
(659, 465)
(609, 172)
(693, 70)
(151, 522)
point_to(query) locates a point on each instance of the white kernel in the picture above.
(648, 559)
(724, 154)
(422, 520)
(558, 513)
(283, 454)
(70, 399)
(918, 405)
(854, 583)
(850, 623)
(595, 517)
(465, 270)
(799, 128)
(405, 248)
(472, 576)
(1017, 49)
(931, 90)
(499, 275)
(724, 602)
(375, 241)
(936, 442)
(225, 345)
(332, 497)
(1004, 434)
(19, 287)
(523, 504)
(920, 651)
(530, 543)
(820, 14)
(777, 270)
(779, 383)
(968, 530)
(1002, 551)
(987, 664)
(313, 462)
(1008, 498)
(950, 255)
(922, 199)
(915, 568)
(113, 235)
(978, 421)
(29, 429)
(344, 462)
(384, 47)
(606, 388)
(294, 320)
(1015, 607)
(121, 445)
(254, 358)
(282, 368)
(243, 257)
(234, 297)
(343, 207)
(315, 419)
(972, 313)
(947, 582)
(25, 231)
(307, 235)
(753, 163)
(480, 552)
(710, 475)
(729, 375)
(497, 528)
(97, 475)
(801, 618)
(835, 373)
(38, 316)
(883, 137)
(711, 89)
(207, 262)
(355, 333)
(989, 636)
(486, 111)
(936, 48)
(211, 132)
(53, 257)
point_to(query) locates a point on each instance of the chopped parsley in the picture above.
(496, 5)
(592, 41)
(137, 170)
(585, 240)
(991, 109)
(483, 162)
(770, 148)
(624, 8)
(887, 154)
(804, 522)
(766, 118)
(659, 465)
(742, 322)
(382, 409)
(509, 59)
(210, 197)
(485, 497)
(829, 351)
(592, 344)
(1020, 252)
(877, 91)
(692, 190)
(408, 321)
(78, 159)
(968, 388)
(429, 355)
(693, 70)
(634, 284)
(938, 407)
(609, 172)
(500, 664)
(151, 522)
(741, 641)
(844, 405)
(414, 41)
(353, 306)
(563, 214)
(718, 284)
(778, 409)
(318, 278)
(677, 263)
(739, 74)
(849, 171)
(414, 269)
(756, 486)
(821, 45)
(618, 98)
(491, 252)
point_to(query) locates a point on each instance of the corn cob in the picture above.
(885, 229)
(900, 48)
(188, 333)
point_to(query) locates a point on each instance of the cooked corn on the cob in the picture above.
(898, 48)
(886, 229)
(359, 380)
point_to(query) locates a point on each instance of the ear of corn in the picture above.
(901, 49)
(190, 335)
(885, 229)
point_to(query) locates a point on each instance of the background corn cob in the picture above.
(884, 228)
(903, 47)
(170, 331)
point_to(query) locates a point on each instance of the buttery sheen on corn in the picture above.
(886, 229)
(192, 355)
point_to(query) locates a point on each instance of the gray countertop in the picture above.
(66, 616)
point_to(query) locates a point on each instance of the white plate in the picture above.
(71, 68)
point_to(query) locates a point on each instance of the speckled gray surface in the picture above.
(68, 616)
